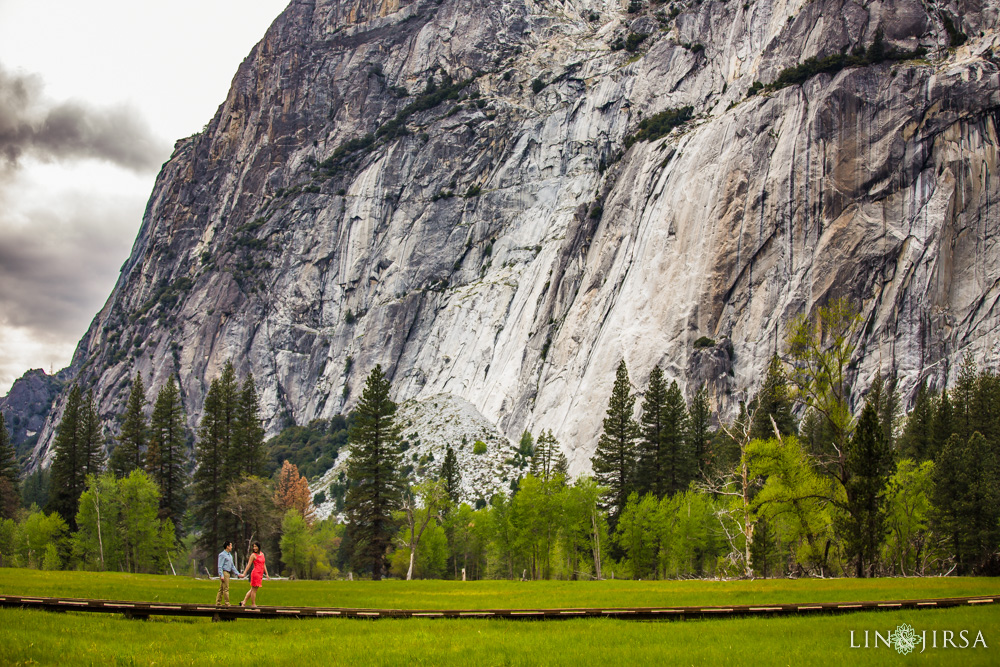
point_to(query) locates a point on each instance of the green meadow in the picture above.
(36, 637)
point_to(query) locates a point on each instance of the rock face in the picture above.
(428, 427)
(26, 407)
(510, 247)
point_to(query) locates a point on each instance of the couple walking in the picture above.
(226, 566)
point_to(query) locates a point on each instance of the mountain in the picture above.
(501, 199)
(27, 405)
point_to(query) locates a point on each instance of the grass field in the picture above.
(28, 637)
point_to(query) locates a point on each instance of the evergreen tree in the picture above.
(68, 476)
(218, 464)
(614, 459)
(450, 474)
(700, 430)
(91, 436)
(166, 462)
(132, 444)
(966, 495)
(10, 499)
(869, 464)
(250, 433)
(678, 465)
(944, 422)
(889, 410)
(964, 398)
(917, 441)
(374, 471)
(650, 471)
(773, 401)
(548, 461)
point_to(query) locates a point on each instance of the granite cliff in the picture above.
(461, 190)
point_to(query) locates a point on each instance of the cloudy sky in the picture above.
(92, 97)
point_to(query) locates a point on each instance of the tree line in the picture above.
(807, 480)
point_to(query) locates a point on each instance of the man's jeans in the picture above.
(223, 589)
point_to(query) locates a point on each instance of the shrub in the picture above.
(955, 36)
(537, 85)
(660, 125)
(479, 447)
(473, 191)
(634, 40)
(704, 342)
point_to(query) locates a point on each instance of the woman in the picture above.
(256, 561)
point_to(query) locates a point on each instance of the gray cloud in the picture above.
(57, 271)
(51, 131)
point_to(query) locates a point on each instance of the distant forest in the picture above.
(799, 484)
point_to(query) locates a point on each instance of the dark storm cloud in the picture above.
(51, 131)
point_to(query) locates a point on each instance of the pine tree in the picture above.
(250, 433)
(678, 462)
(91, 436)
(869, 464)
(10, 498)
(650, 465)
(68, 478)
(917, 441)
(218, 464)
(944, 423)
(966, 495)
(374, 471)
(548, 461)
(615, 458)
(450, 474)
(964, 397)
(132, 444)
(700, 430)
(166, 462)
(773, 401)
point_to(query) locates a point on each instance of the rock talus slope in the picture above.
(445, 188)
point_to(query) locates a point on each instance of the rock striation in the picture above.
(449, 188)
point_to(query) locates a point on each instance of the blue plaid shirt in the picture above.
(226, 563)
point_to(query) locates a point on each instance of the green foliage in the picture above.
(537, 85)
(473, 191)
(295, 543)
(450, 474)
(313, 448)
(869, 464)
(548, 460)
(10, 498)
(699, 433)
(820, 353)
(167, 455)
(128, 454)
(966, 496)
(956, 37)
(634, 40)
(479, 447)
(374, 471)
(659, 125)
(217, 466)
(909, 548)
(704, 342)
(873, 55)
(78, 453)
(772, 406)
(614, 460)
(793, 501)
(119, 529)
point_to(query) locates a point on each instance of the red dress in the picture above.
(257, 573)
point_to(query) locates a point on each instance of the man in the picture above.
(225, 567)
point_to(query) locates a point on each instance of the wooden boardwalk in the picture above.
(132, 609)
